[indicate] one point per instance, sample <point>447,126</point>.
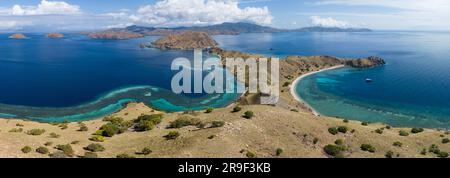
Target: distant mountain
<point>331,29</point>
<point>233,29</point>
<point>221,29</point>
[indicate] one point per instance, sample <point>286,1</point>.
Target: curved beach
<point>294,87</point>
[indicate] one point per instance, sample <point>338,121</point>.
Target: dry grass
<point>271,128</point>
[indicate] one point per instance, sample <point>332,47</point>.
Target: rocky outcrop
<point>114,35</point>
<point>186,40</point>
<point>55,35</point>
<point>368,62</point>
<point>17,36</point>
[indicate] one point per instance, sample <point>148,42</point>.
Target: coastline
<point>298,79</point>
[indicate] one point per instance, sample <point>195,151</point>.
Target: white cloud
<point>45,8</point>
<point>11,25</point>
<point>397,14</point>
<point>199,12</point>
<point>328,22</point>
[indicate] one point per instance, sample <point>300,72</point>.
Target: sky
<point>73,15</point>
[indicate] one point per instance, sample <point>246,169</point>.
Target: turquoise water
<point>76,78</point>
<point>412,90</point>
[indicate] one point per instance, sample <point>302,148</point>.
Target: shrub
<point>74,142</point>
<point>97,138</point>
<point>346,121</point>
<point>16,130</point>
<point>185,121</point>
<point>115,120</point>
<point>98,132</point>
<point>54,135</point>
<point>110,129</point>
<point>368,148</point>
<point>379,131</point>
<point>63,126</point>
<point>389,154</point>
<point>334,150</point>
<point>42,150</point>
<point>294,110</point>
<point>19,125</point>
<point>58,154</point>
<point>124,156</point>
<point>403,133</point>
<point>250,154</point>
<point>397,144</point>
<point>342,129</point>
<point>434,149</point>
<point>147,122</point>
<point>339,142</point>
<point>155,118</point>
<point>279,151</point>
<point>66,149</point>
<point>209,110</point>
<point>424,151</point>
<point>388,127</point>
<point>365,123</point>
<point>417,130</point>
<point>146,151</point>
<point>237,109</point>
<point>333,130</point>
<point>445,141</point>
<point>90,155</point>
<point>216,124</point>
<point>172,135</point>
<point>211,137</point>
<point>315,140</point>
<point>249,114</point>
<point>26,149</point>
<point>94,147</point>
<point>48,143</point>
<point>83,128</point>
<point>36,132</point>
<point>442,154</point>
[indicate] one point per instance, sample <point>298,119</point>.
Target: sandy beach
<point>294,86</point>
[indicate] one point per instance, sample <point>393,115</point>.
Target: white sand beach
<point>294,86</point>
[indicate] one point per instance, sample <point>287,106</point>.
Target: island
<point>371,61</point>
<point>18,36</point>
<point>185,40</point>
<point>114,35</point>
<point>55,35</point>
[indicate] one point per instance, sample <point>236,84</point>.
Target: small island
<point>18,36</point>
<point>114,35</point>
<point>368,62</point>
<point>55,35</point>
<point>185,40</point>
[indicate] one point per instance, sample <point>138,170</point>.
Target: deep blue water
<point>413,89</point>
<point>76,78</point>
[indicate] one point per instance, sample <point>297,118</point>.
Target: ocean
<point>76,78</point>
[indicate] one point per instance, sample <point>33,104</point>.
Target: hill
<point>220,29</point>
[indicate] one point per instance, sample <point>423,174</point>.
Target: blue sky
<point>101,14</point>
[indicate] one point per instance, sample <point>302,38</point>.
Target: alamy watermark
<point>254,72</point>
